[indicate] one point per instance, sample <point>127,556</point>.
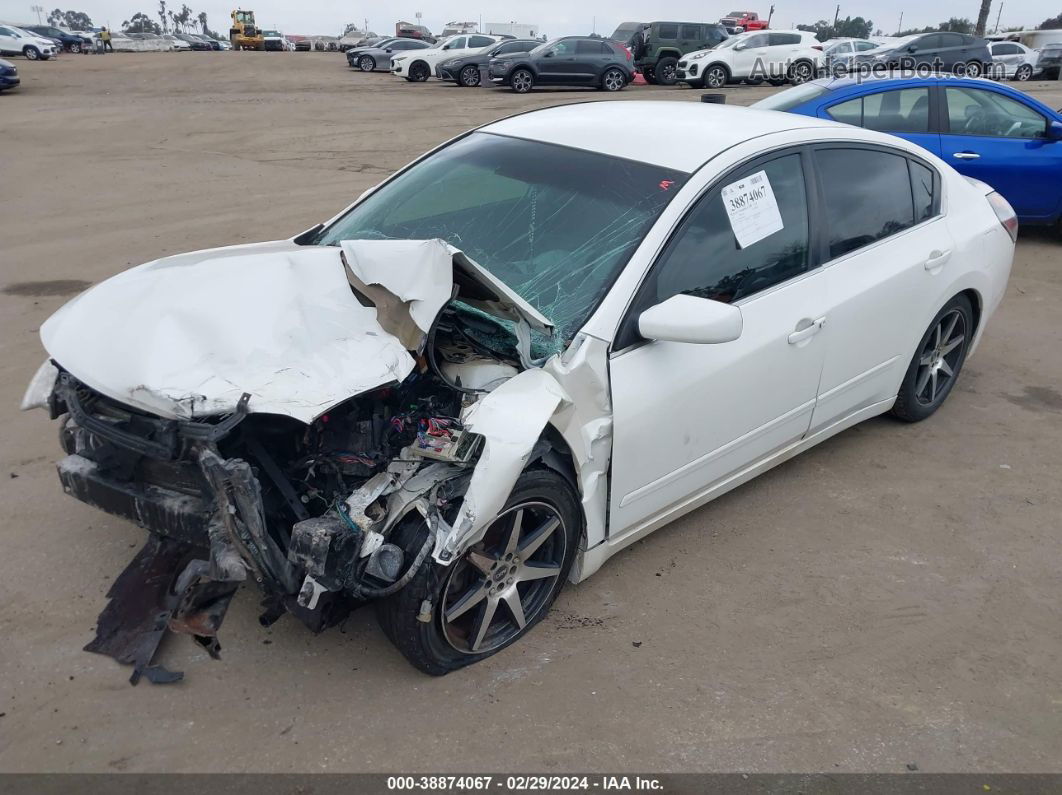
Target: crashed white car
<point>521,353</point>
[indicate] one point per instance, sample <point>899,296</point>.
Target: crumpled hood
<point>186,336</point>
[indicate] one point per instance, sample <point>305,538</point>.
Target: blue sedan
<point>986,130</point>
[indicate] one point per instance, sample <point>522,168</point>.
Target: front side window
<point>554,223</point>
<point>974,111</point>
<point>563,48</point>
<point>756,41</point>
<point>704,258</point>
<point>905,110</point>
<point>867,194</point>
<point>457,43</point>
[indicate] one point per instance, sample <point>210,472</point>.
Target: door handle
<point>806,329</point>
<point>937,259</point>
<point>966,156</point>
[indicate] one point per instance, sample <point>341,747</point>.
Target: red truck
<point>741,21</point>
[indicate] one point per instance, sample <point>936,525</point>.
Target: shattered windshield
<point>555,224</point>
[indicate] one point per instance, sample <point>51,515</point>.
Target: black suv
<point>69,41</point>
<point>571,61</point>
<point>658,46</point>
<point>953,52</point>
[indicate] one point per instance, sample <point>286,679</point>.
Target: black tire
<point>1023,73</point>
<point>366,63</point>
<point>75,48</point>
<point>774,81</point>
<point>469,76</point>
<point>418,72</point>
<point>927,383</point>
<point>31,53</point>
<point>716,76</point>
<point>666,71</point>
<point>801,72</point>
<point>521,81</point>
<point>433,646</point>
<point>974,69</point>
<point>649,75</point>
<point>613,80</point>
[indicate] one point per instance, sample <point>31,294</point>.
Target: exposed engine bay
<point>308,511</point>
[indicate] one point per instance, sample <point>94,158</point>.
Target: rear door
<point>997,139</point>
<point>887,251</point>
<point>906,112</point>
<point>9,42</point>
<point>589,60</point>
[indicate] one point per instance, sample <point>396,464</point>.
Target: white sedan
<point>418,65</point>
<point>521,353</point>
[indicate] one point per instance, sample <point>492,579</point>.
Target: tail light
<point>1005,213</point>
<point>630,55</point>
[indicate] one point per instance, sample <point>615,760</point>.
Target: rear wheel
<point>666,71</point>
<point>649,75</point>
<point>521,81</point>
<point>613,80</point>
<point>800,72</point>
<point>498,590</point>
<point>75,47</point>
<point>366,63</point>
<point>1024,72</point>
<point>937,362</point>
<point>974,69</point>
<point>469,76</point>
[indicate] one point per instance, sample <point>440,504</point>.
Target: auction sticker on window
<point>752,209</point>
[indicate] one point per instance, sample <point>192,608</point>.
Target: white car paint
<point>454,47</point>
<point>752,55</point>
<point>655,430</point>
<point>1014,56</point>
<point>15,41</point>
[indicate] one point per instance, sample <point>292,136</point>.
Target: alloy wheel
<point>366,63</point>
<point>940,357</point>
<point>669,74</point>
<point>504,583</point>
<point>801,74</point>
<point>715,77</point>
<point>31,54</point>
<point>1024,72</point>
<point>470,76</point>
<point>613,80</point>
<point>973,69</point>
<point>522,81</point>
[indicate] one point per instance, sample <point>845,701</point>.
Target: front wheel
<point>715,76</point>
<point>521,81</point>
<point>31,53</point>
<point>666,71</point>
<point>469,76</point>
<point>366,63</point>
<point>613,80</point>
<point>450,617</point>
<point>1024,73</point>
<point>937,362</point>
<point>419,72</point>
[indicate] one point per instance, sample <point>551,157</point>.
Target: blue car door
<point>900,111</point>
<point>993,137</point>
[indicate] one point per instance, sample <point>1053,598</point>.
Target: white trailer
<point>518,30</point>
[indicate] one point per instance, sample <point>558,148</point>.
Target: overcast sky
<point>554,17</point>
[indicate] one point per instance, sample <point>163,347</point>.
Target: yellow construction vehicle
<point>244,33</point>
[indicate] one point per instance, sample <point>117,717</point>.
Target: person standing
<point>105,37</point>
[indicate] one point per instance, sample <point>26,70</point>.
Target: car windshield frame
<point>573,267</point>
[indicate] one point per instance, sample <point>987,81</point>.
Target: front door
<point>755,55</point>
<point>558,63</point>
<point>1001,141</point>
<point>689,416</point>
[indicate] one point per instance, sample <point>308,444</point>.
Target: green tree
<point>1051,24</point>
<point>141,23</point>
<point>960,25</point>
<point>75,20</point>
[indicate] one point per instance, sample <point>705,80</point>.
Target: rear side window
<point>480,41</point>
<point>690,32</point>
<point>1005,49</point>
<point>781,39</point>
<point>667,31</point>
<point>584,47</point>
<point>906,110</point>
<point>511,46</point>
<point>953,40</point>
<point>867,196</point>
<point>703,257</point>
<point>862,46</point>
<point>924,191</point>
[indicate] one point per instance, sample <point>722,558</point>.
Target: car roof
<point>696,131</point>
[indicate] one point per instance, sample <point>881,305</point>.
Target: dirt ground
<point>891,597</point>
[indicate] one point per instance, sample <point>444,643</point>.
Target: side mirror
<point>686,318</point>
<point>912,48</point>
<point>1054,131</point>
<point>742,46</point>
<point>548,54</point>
<point>388,50</point>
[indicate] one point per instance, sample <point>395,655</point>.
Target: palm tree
<point>162,15</point>
<point>203,22</point>
<point>982,17</point>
